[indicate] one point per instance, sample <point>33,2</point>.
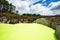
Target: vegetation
<point>57,32</point>
<point>42,21</point>
<point>9,14</point>
<point>9,11</point>
<point>6,7</point>
<point>24,14</point>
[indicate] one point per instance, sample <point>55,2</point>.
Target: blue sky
<point>42,7</point>
<point>46,2</point>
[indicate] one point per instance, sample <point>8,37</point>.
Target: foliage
<point>53,25</point>
<point>26,14</point>
<point>42,21</point>
<point>57,32</point>
<point>10,15</point>
<point>5,6</point>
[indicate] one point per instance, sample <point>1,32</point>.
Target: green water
<point>26,32</point>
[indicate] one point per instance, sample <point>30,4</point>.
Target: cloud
<point>40,9</point>
<point>44,0</point>
<point>52,9</point>
<point>55,7</point>
<point>56,12</point>
<point>54,4</point>
<point>23,7</point>
<point>37,8</point>
<point>18,1</point>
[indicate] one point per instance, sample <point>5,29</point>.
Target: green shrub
<point>57,32</point>
<point>42,21</point>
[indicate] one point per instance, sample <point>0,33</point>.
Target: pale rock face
<point>25,31</point>
<point>3,19</point>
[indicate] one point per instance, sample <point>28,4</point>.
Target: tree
<point>24,14</point>
<point>38,15</point>
<point>17,11</point>
<point>34,14</point>
<point>10,7</point>
<point>6,7</point>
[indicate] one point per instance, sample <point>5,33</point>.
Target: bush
<point>42,21</point>
<point>57,32</point>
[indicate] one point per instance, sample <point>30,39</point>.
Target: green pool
<point>25,31</point>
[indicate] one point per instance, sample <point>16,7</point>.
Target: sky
<point>42,7</point>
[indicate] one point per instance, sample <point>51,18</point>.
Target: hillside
<point>13,18</point>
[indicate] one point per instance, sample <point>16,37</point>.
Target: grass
<point>25,31</point>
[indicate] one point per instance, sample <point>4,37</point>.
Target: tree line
<point>27,14</point>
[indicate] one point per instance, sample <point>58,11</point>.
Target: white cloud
<point>56,12</point>
<point>55,5</point>
<point>18,1</point>
<point>44,0</point>
<point>23,7</point>
<point>38,7</point>
<point>47,13</point>
<point>42,10</point>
